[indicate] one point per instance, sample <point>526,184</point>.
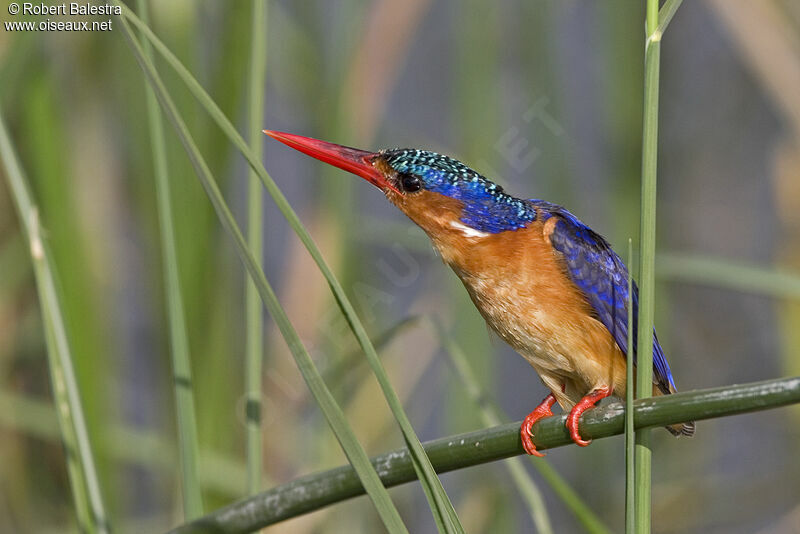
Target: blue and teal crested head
<point>486,206</point>
<point>437,192</point>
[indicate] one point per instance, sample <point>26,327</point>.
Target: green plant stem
<point>255,325</point>
<point>434,492</point>
<point>179,342</point>
<point>630,443</point>
<point>81,468</point>
<point>333,413</point>
<point>644,352</point>
<point>317,490</point>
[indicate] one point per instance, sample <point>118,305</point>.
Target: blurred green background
<point>544,97</point>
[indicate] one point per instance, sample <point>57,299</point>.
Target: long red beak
<point>359,162</point>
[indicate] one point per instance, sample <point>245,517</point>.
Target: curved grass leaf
<point>666,13</point>
<point>333,413</point>
<point>440,503</point>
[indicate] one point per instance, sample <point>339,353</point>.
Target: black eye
<point>410,182</point>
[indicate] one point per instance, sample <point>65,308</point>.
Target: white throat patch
<point>466,230</point>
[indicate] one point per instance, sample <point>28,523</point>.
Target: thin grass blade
<point>666,13</point>
<point>87,496</point>
<point>179,341</point>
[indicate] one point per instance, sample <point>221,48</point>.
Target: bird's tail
<point>679,429</point>
<point>682,429</point>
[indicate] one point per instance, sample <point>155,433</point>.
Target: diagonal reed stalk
<point>630,442</point>
<point>491,416</point>
<point>647,232</point>
<point>86,494</point>
<point>179,341</point>
<point>253,319</point>
<point>440,504</point>
<point>333,413</point>
<point>314,491</point>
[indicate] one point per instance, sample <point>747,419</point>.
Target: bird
<point>545,283</point>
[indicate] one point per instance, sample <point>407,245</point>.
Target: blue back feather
<point>602,276</point>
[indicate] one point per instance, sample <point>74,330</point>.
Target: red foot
<point>584,404</point>
<point>541,411</point>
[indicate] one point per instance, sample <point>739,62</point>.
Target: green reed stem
<point>656,23</point>
<point>315,491</point>
<point>179,341</point>
<point>81,469</point>
<point>644,351</point>
<point>255,323</point>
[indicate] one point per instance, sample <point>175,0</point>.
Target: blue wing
<point>602,276</point>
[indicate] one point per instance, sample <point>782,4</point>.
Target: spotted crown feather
<point>487,207</point>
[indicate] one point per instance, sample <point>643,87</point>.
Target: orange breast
<point>522,289</point>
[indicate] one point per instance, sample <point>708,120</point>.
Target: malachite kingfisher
<point>546,283</point>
